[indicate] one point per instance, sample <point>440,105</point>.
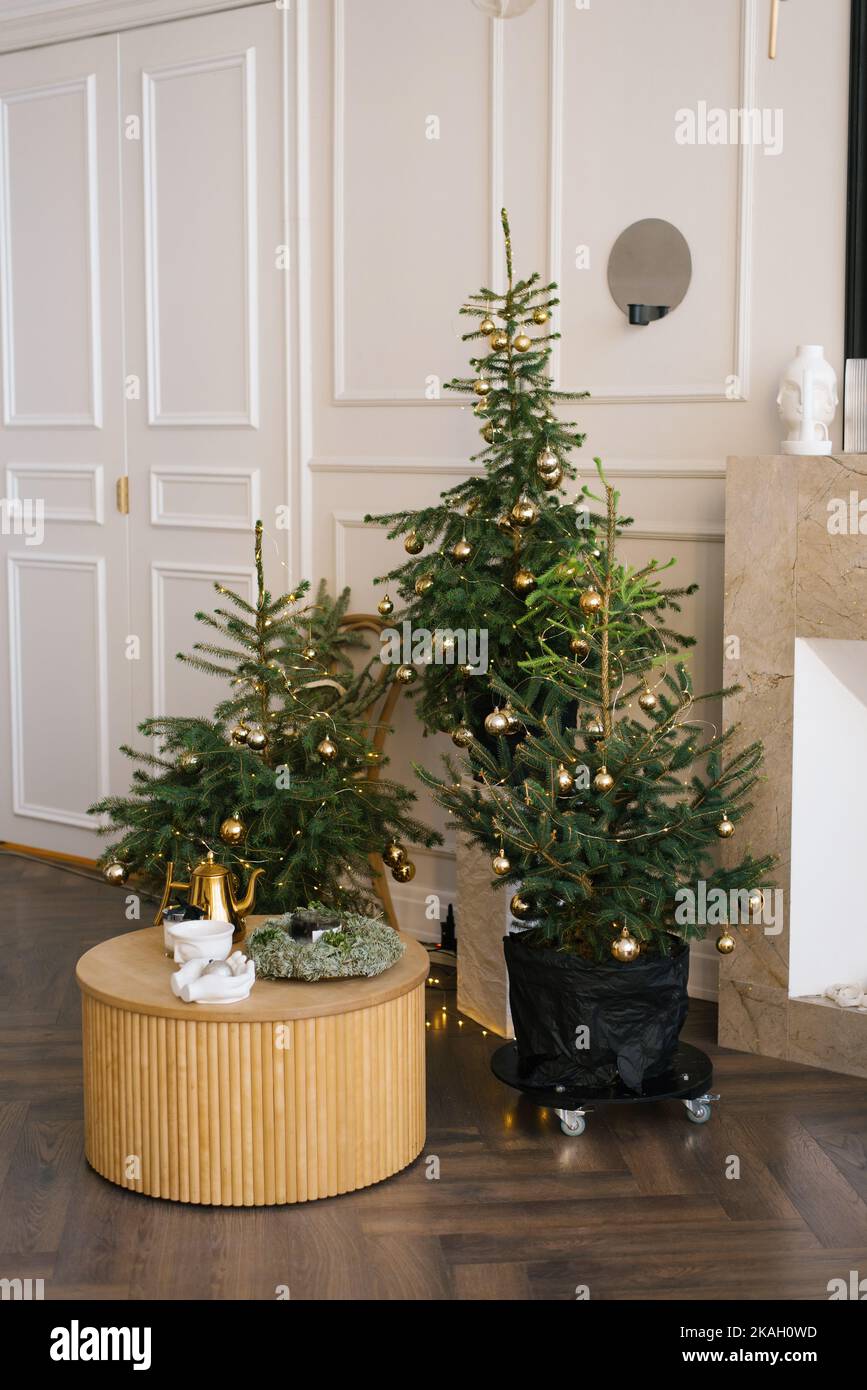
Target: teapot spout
<point>242,905</point>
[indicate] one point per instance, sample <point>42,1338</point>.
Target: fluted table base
<point>245,1111</point>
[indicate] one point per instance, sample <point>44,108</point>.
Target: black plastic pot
<point>632,1014</point>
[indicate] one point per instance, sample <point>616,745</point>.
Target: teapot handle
<point>167,892</point>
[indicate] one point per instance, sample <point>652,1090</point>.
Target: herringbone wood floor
<point>638,1207</point>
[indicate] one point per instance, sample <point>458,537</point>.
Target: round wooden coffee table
<point>300,1091</point>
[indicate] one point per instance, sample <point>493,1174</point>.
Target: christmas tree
<point>477,554</point>
<point>285,776</point>
<point>604,793</point>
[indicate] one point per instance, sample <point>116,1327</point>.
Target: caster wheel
<point>698,1111</point>
<point>573,1130</point>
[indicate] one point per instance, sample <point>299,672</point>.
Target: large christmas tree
<point>280,777</point>
<point>478,552</point>
<point>605,792</point>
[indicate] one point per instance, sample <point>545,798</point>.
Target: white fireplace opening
<point>828,903</point>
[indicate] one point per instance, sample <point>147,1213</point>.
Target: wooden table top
<point>133,972</point>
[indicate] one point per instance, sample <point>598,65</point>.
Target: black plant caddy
<point>590,1034</point>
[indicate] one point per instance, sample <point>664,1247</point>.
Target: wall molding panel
<point>703,469</point>
<point>343,392</point>
<point>342,523</point>
<point>16,562</point>
<point>742,301</point>
<point>161,571</point>
<point>246,482</point>
<point>248,417</point>
<point>91,416</point>
<point>741,307</point>
<point>30,25</point>
<point>346,521</point>
<point>22,480</point>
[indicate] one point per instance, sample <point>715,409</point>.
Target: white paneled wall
<point>568,116</point>
<point>64,684</point>
<point>280,258</point>
<point>205,315</point>
<point>145,267</point>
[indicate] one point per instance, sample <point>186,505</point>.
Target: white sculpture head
<point>807,402</point>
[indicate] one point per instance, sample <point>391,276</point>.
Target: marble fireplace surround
<point>787,577</point>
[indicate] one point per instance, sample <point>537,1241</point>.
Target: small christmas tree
<point>478,553</point>
<point>604,793</point>
<point>280,778</point>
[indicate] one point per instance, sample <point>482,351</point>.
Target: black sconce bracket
<point>643,314</point>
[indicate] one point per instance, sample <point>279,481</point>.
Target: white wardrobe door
<point>203,228</point>
<point>64,682</point>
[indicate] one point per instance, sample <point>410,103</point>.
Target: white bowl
<point>203,940</point>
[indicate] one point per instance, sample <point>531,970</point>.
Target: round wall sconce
<point>649,270</point>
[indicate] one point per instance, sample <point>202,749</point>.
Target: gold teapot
<point>213,888</point>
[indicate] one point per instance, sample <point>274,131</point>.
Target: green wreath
<point>358,946</point>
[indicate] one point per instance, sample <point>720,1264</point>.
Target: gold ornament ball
<point>603,781</point>
<point>385,607</point>
<point>327,750</point>
<point>462,736</point>
<point>115,874</point>
<point>481,387</point>
<point>461,552</point>
<point>580,647</point>
<point>625,948</point>
<point>500,865</point>
<point>565,781</point>
<point>309,653</point>
<point>405,675</point>
<point>499,340</point>
<point>552,480</point>
<point>647,700</point>
<point>590,601</point>
<point>413,545</point>
<point>404,872</point>
<point>524,512</point>
<point>756,901</point>
<point>487,326</point>
<point>394,855</point>
<point>725,829</point>
<point>189,761</point>
<point>547,462</point>
<point>239,734</point>
<point>423,584</point>
<point>594,728</point>
<point>725,943</point>
<point>489,434</point>
<point>513,723</point>
<point>520,907</point>
<point>523,582</point>
<point>232,831</point>
<point>257,740</point>
<point>540,316</point>
<point>480,407</point>
<point>522,343</point>
<point>497,723</point>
